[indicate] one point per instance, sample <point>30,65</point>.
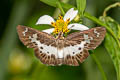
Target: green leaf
<point>114,51</point>
<point>111,44</point>
<point>60,7</point>
<point>53,3</point>
<point>50,2</point>
<point>67,6</point>
<point>119,31</point>
<point>81,5</point>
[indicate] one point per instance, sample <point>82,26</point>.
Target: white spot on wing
<point>91,38</point>
<point>98,34</point>
<point>87,38</point>
<point>50,49</point>
<point>34,39</point>
<point>26,30</point>
<point>70,49</point>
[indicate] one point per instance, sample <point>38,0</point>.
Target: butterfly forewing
<point>44,44</point>
<point>77,44</point>
<point>93,37</point>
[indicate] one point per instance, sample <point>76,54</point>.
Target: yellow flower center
<point>60,25</point>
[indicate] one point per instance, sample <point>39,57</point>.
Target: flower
<point>62,24</point>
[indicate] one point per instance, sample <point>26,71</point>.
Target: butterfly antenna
<point>60,35</point>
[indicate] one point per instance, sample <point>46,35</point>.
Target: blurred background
<point>19,63</point>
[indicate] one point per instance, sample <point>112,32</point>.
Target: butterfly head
<point>60,25</point>
<point>60,36</point>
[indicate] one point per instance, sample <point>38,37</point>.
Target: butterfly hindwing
<point>44,44</point>
<point>75,53</point>
<point>77,44</point>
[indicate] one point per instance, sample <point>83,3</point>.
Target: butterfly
<point>69,50</point>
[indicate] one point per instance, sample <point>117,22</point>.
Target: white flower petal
<point>76,26</point>
<point>46,19</point>
<point>49,31</point>
<point>71,13</point>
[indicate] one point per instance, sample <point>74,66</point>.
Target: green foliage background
<point>19,63</point>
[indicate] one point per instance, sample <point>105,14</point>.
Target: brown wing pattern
<point>42,36</point>
<point>76,45</point>
<point>74,60</point>
<point>79,43</point>
<point>95,35</point>
<point>40,41</point>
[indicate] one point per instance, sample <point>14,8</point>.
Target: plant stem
<point>81,5</point>
<point>109,7</point>
<point>99,66</point>
<point>60,7</point>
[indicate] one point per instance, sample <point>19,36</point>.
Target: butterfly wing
<point>44,44</point>
<point>77,44</point>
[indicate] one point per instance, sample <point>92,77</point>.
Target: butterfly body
<point>68,50</point>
